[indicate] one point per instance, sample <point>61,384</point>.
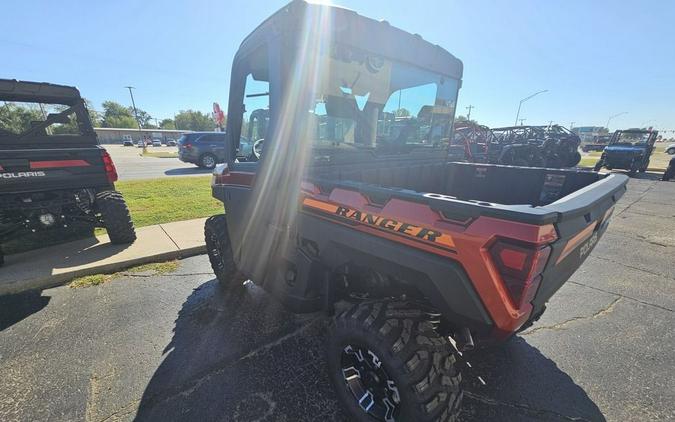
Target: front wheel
<point>633,169</point>
<point>219,250</point>
<point>116,218</point>
<point>386,363</point>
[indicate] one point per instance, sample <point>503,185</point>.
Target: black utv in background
<point>550,146</point>
<point>52,169</point>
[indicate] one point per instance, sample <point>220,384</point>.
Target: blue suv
<point>206,149</point>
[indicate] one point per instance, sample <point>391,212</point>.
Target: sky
<point>596,58</point>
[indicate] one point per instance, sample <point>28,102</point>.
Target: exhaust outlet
<point>465,340</point>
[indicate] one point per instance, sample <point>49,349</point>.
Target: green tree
<point>194,120</point>
<point>167,124</point>
<point>402,112</point>
<point>116,115</point>
<point>143,116</point>
<point>461,118</point>
<point>17,118</point>
<point>93,114</point>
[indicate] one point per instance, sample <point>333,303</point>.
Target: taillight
<point>110,170</point>
<point>219,175</point>
<point>520,266</point>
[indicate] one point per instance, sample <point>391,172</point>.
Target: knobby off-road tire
<point>220,251</point>
<point>411,355</point>
<point>116,217</point>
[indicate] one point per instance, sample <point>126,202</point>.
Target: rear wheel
<point>387,363</point>
<point>220,251</point>
<point>208,161</point>
<point>116,218</point>
<point>597,166</point>
<point>574,159</point>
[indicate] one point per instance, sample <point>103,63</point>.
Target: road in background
<point>131,165</point>
<point>178,347</point>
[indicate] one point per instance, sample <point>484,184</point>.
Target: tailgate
<point>29,170</point>
<point>583,218</point>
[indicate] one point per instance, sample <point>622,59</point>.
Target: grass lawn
<point>157,201</point>
<point>658,161</point>
<point>156,268</point>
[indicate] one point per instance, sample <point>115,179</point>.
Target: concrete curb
<point>56,265</point>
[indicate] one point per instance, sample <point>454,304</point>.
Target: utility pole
<point>525,99</point>
<point>572,125</point>
<point>133,103</point>
<point>521,121</point>
<point>550,122</point>
<point>468,115</point>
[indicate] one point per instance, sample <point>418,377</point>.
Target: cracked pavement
<point>176,347</point>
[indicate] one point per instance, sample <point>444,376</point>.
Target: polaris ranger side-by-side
<point>52,169</point>
<point>628,149</point>
<point>353,208</point>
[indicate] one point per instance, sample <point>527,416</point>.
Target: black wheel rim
<point>367,380</point>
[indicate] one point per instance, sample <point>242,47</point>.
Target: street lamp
<point>525,99</point>
<point>613,116</point>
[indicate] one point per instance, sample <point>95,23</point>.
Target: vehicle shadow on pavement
<point>521,383</point>
<point>239,355</point>
<point>14,308</point>
<point>184,171</point>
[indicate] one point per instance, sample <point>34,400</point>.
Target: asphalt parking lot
<point>176,347</point>
<point>131,165</point>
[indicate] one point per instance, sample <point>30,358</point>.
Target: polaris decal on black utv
<point>352,207</point>
<point>23,174</point>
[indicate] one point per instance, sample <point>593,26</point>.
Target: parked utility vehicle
<point>353,205</point>
<point>628,150</point>
<point>52,169</point>
<point>550,146</point>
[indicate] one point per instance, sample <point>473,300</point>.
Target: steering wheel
<point>258,148</point>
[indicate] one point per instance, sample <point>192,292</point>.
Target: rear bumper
<point>584,218</point>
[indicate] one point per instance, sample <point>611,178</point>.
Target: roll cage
<point>274,53</point>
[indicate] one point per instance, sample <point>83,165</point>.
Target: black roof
<point>358,31</point>
<point>13,90</point>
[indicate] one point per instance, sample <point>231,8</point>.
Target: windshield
<point>632,138</point>
<point>19,120</point>
<point>367,101</point>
